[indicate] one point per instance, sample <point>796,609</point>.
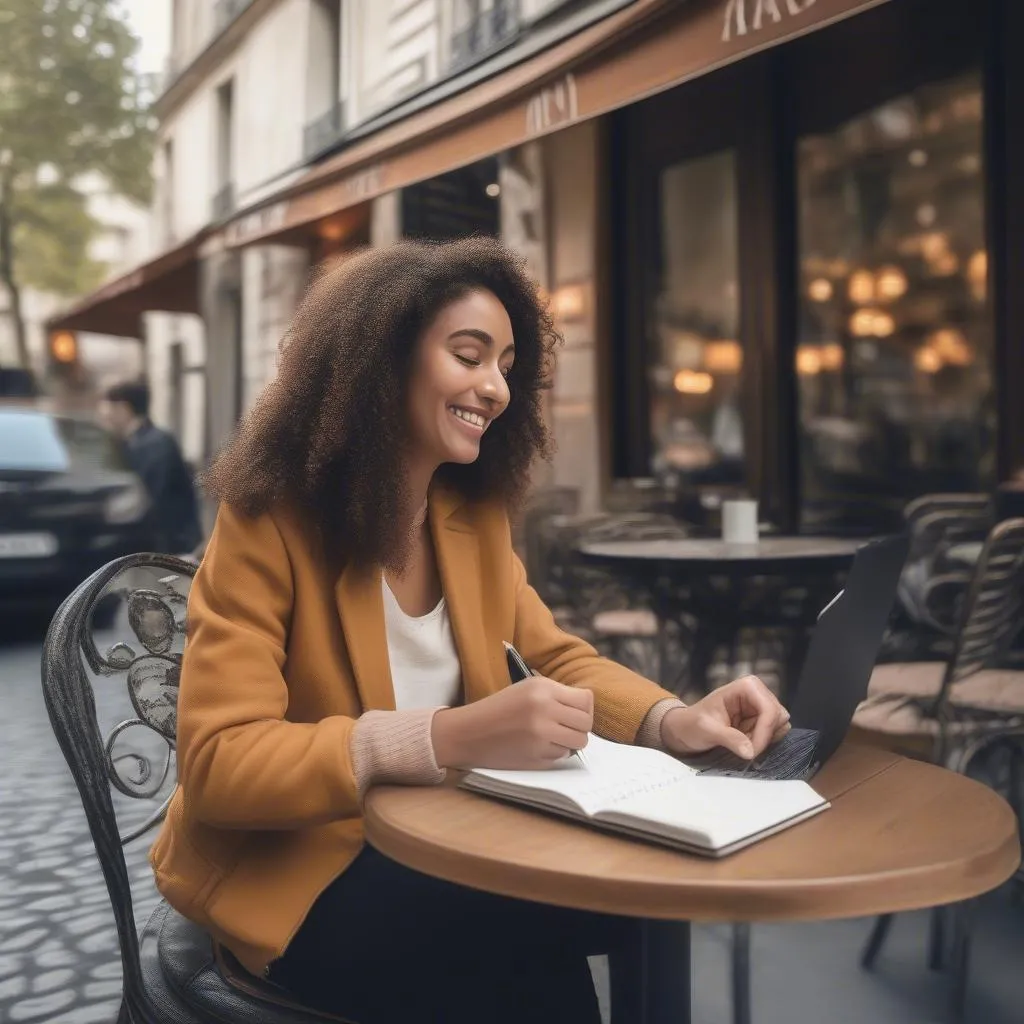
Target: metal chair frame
<point>70,704</point>
<point>151,667</point>
<point>989,620</point>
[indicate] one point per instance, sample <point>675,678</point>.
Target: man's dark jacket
<point>155,456</point>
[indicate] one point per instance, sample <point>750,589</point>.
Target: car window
<point>32,441</point>
<point>89,445</point>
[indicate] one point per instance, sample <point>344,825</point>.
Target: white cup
<point>739,521</point>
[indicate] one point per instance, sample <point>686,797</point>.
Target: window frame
<point>761,107</point>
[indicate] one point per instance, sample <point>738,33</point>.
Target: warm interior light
<point>64,347</point>
<point>927,360</point>
<point>872,323</point>
<point>884,325</point>
<point>832,356</point>
<point>951,346</point>
<point>568,302</point>
<point>861,287</point>
<point>493,190</point>
<point>977,273</point>
<point>977,266</point>
<point>332,231</point>
<point>917,158</point>
<point>934,245</point>
<point>693,382</point>
<point>723,356</point>
<point>891,283</point>
<point>808,361</point>
<point>862,323</point>
<point>820,289</point>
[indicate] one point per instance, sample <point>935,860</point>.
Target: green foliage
<point>52,231</point>
<point>70,104</point>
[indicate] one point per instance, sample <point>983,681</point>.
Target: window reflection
<point>893,360</point>
<point>696,422</point>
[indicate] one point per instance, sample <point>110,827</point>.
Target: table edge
<point>774,900</point>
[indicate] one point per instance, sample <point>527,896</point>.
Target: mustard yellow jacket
<point>282,657</point>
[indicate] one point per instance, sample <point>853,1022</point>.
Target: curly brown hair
<point>323,437</point>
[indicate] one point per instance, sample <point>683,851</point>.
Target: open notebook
<point>651,795</point>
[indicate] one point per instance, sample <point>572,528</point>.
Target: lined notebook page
<point>722,810</point>
<point>613,773</point>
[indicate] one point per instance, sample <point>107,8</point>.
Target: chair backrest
<point>934,523</point>
<point>991,615</point>
<point>149,666</point>
<point>967,504</point>
<point>532,528</point>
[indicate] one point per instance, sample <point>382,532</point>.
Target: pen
<point>524,670</point>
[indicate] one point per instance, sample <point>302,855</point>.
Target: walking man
<point>155,456</point>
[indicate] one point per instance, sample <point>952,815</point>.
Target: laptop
<point>835,674</point>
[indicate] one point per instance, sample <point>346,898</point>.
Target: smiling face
<point>458,386</point>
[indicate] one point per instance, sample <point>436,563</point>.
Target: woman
<point>346,628</point>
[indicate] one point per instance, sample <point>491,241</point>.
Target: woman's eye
<point>467,360</point>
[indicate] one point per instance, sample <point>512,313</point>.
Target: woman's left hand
<point>744,716</point>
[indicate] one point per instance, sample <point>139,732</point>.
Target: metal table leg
<point>650,979</point>
<point>741,1012</point>
<point>666,949</point>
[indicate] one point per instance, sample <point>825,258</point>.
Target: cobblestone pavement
<point>58,948</point>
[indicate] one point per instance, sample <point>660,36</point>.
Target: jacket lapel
<point>361,608</point>
<point>458,559</point>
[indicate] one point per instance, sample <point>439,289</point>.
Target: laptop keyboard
<point>791,758</point>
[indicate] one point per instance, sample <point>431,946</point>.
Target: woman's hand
<point>531,724</point>
<point>744,716</point>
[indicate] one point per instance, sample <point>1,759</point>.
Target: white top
<point>425,670</point>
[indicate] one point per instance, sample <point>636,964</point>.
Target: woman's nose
<point>495,388</point>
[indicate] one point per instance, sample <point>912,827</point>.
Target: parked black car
<point>68,504</point>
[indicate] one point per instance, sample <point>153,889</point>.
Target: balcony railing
<point>223,203</point>
<point>225,12</point>
<point>486,32</point>
<point>323,132</point>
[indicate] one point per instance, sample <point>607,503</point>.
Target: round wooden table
<point>899,835</point>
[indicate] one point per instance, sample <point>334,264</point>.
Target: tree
<point>70,104</point>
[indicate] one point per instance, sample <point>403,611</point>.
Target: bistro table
<point>899,835</point>
<point>705,577</point>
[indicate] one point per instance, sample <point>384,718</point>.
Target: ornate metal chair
<point>173,973</point>
<point>951,711</point>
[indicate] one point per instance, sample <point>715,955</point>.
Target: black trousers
<point>384,944</point>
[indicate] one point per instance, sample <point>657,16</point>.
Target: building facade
<point>777,235</point>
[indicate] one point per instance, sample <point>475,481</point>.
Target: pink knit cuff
<point>649,734</point>
<point>394,746</point>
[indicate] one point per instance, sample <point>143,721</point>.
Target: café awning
<point>641,49</point>
<point>523,93</point>
<point>168,282</point>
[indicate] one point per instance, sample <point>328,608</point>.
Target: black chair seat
<point>194,982</point>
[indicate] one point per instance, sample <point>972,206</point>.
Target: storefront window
<point>894,353</point>
<point>695,416</point>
